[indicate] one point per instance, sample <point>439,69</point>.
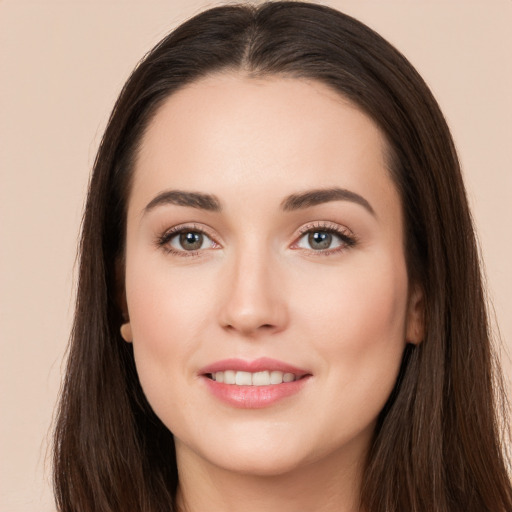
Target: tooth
<point>229,377</point>
<point>261,378</point>
<point>243,379</point>
<point>264,378</point>
<point>276,377</point>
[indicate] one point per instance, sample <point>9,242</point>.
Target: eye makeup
<point>330,238</point>
<point>196,237</point>
<point>318,238</point>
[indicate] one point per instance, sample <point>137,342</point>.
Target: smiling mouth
<point>253,384</point>
<point>263,378</point>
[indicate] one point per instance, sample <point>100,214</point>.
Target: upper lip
<point>256,365</point>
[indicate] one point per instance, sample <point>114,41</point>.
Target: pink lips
<point>258,365</point>
<point>253,397</point>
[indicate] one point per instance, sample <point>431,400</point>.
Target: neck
<point>322,486</point>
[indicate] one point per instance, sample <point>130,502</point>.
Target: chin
<point>260,464</point>
<point>248,454</point>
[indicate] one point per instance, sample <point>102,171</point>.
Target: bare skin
<point>263,223</point>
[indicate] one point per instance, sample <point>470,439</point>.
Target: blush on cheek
<point>370,336</point>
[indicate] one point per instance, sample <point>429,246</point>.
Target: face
<point>266,286</point>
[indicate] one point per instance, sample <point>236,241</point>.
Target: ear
<point>415,328</point>
<point>126,328</point>
<point>126,332</point>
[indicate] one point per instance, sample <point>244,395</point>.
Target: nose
<point>255,300</point>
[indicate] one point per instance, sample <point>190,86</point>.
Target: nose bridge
<point>253,298</point>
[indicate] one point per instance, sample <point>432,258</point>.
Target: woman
<point>280,303</point>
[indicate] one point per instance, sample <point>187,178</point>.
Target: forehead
<point>275,135</point>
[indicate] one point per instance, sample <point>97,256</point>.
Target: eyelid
<point>323,225</point>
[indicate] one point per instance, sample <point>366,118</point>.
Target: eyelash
<point>163,240</point>
<point>346,236</point>
<point>348,239</point>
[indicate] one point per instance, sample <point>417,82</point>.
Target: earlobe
<point>126,332</point>
<point>415,330</point>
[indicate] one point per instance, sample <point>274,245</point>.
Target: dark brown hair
<point>437,443</point>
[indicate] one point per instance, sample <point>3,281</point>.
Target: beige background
<point>62,64</point>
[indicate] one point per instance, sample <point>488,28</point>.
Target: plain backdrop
<point>62,64</point>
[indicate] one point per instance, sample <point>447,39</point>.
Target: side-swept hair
<point>437,443</point>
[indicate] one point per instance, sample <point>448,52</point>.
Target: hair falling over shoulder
<point>440,441</point>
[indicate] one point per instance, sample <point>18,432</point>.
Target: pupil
<point>191,241</point>
<point>320,240</point>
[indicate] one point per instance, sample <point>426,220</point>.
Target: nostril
<point>250,314</point>
<point>248,329</point>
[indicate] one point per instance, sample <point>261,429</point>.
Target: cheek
<point>167,313</point>
<point>165,304</point>
<point>359,323</point>
<point>360,303</point>
<point>371,311</point>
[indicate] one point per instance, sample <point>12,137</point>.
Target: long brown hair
<point>437,443</point>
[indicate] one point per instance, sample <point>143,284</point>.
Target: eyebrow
<point>180,198</point>
<point>324,195</point>
<point>293,202</point>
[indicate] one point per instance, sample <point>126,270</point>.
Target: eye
<point>325,239</point>
<point>319,241</point>
<point>186,241</point>
<point>190,241</point>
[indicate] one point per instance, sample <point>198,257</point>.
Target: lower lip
<point>254,397</point>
